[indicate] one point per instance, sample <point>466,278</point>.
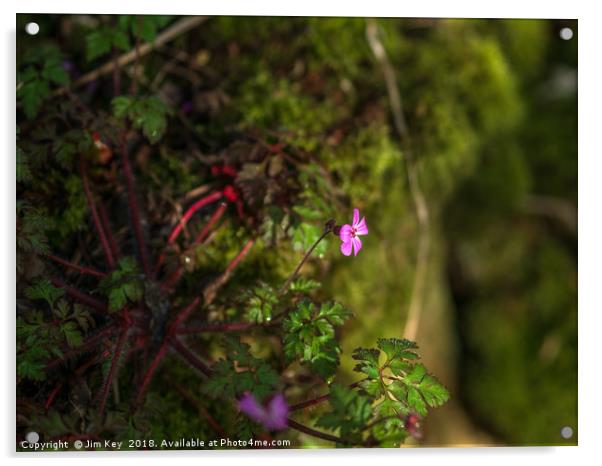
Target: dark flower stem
<point>314,433</point>
<point>173,279</point>
<point>188,396</point>
<point>135,210</point>
<point>78,268</point>
<point>221,327</point>
<point>190,357</point>
<point>112,371</point>
<point>327,229</point>
<point>107,228</point>
<point>97,223</point>
<point>317,400</point>
<point>80,296</point>
<point>151,371</point>
<point>207,297</point>
<point>89,343</point>
<point>213,288</point>
<point>190,212</point>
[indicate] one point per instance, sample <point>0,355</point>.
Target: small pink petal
<point>249,405</point>
<point>345,233</point>
<point>362,228</point>
<point>356,216</point>
<point>346,247</point>
<point>277,418</point>
<point>357,245</point>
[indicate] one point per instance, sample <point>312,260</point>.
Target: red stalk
<point>190,357</point>
<point>175,276</point>
<point>135,211</point>
<point>104,218</point>
<point>113,370</point>
<point>184,314</point>
<point>80,296</point>
<point>55,391</point>
<point>79,268</point>
<point>151,370</point>
<point>97,223</point>
<point>314,433</point>
<point>86,345</point>
<point>217,328</point>
<point>202,410</point>
<point>211,291</point>
<point>317,400</point>
<point>190,212</point>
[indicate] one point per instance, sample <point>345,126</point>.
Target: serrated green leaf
<point>415,401</point>
<point>434,393</point>
<point>398,348</point>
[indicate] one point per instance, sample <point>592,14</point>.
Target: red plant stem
<point>55,391</point>
<point>104,218</point>
<point>317,400</point>
<point>190,357</point>
<point>135,211</point>
<point>314,433</point>
<point>80,296</point>
<point>79,268</point>
<point>151,370</point>
<point>202,410</point>
<point>212,289</point>
<point>112,371</point>
<point>218,328</point>
<point>173,279</point>
<point>184,314</point>
<point>97,223</point>
<point>181,317</point>
<point>80,370</point>
<point>190,212</point>
<point>86,345</point>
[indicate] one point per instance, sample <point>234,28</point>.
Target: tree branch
<point>179,27</point>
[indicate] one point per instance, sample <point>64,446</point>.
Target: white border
<point>590,231</point>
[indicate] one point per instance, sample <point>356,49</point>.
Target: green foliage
<point>401,385</point>
<point>304,285</point>
<point>101,41</point>
<point>240,372</point>
<point>41,67</point>
<point>39,338</point>
<point>310,335</point>
<point>350,413</point>
<point>31,236</point>
<point>123,285</point>
<point>45,290</point>
<point>149,114</point>
<point>260,304</point>
<point>145,27</point>
<point>68,147</point>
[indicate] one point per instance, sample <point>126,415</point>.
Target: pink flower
<point>349,234</point>
<point>273,416</point>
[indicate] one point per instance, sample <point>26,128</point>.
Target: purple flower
<point>273,416</point>
<point>349,234</point>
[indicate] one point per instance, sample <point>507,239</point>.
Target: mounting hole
<point>566,33</point>
<point>566,432</point>
<point>32,28</point>
<point>32,437</point>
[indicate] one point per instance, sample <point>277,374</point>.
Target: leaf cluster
<point>309,335</point>
<point>148,114</point>
<point>44,330</point>
<point>240,371</point>
<point>123,285</point>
